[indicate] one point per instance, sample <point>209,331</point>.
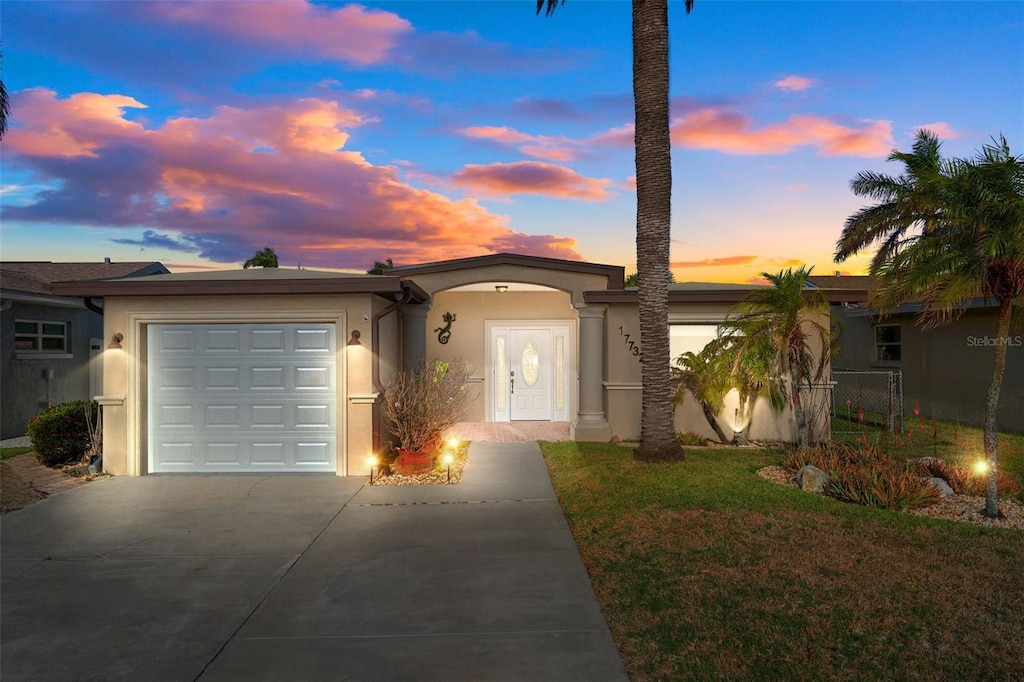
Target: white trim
<point>138,321</point>
<point>363,398</point>
<point>109,399</point>
<point>697,318</point>
<point>571,360</point>
<point>33,355</point>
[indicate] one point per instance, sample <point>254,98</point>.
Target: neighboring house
<point>50,343</point>
<point>280,370</point>
<point>946,371</point>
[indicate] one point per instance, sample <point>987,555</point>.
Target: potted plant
<point>420,406</point>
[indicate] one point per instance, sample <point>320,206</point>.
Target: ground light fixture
<point>372,462</point>
<point>735,432</point>
<point>448,459</point>
<point>453,443</point>
<point>981,467</point>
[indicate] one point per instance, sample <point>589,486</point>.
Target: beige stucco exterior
<point>125,386</point>
<point>399,318</point>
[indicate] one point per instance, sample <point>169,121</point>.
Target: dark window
<point>888,343</point>
<point>32,336</point>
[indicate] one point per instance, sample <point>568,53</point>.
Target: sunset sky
<point>195,133</point>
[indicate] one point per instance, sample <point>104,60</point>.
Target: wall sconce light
<point>115,341</point>
<point>354,339</point>
<point>501,288</point>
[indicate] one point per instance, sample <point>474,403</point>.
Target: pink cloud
<point>559,149</point>
<point>798,187</point>
<point>531,177</point>
<point>715,262</point>
<point>731,132</point>
<point>242,178</point>
<point>351,33</point>
<point>795,83</point>
<point>941,129</point>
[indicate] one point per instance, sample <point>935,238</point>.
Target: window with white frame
<point>888,343</point>
<point>38,336</point>
<point>692,338</point>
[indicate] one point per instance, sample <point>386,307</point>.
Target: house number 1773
<point>633,346</point>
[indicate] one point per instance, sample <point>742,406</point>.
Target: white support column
<point>414,335</point>
<point>591,423</point>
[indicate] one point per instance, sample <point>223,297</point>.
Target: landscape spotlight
<point>448,459</point>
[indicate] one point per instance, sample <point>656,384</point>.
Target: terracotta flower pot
<point>414,462</point>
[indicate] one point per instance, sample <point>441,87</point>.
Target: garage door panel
<point>243,413</point>
<point>169,416</point>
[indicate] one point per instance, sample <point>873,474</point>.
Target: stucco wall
<point>468,339</point>
<point>125,428</point>
<point>623,388</point>
<point>946,371</point>
<point>24,386</point>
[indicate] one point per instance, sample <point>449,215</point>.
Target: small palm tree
<point>782,325</point>
<point>967,218</point>
<point>706,376</point>
<point>262,259</point>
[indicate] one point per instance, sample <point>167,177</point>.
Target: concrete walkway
<point>303,578</point>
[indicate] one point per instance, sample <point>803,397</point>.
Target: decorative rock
<point>943,487</point>
<point>811,478</point>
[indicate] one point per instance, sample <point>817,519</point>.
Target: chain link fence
<point>870,400</point>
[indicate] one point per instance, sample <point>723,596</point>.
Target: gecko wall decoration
<point>444,333</point>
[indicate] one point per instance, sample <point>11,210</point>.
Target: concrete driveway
<point>302,578</point>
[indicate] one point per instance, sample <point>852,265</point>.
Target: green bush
<point>60,434</point>
<point>690,438</point>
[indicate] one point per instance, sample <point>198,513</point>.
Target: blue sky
<point>194,133</point>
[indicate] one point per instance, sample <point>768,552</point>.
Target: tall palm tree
<point>5,106</point>
<point>967,242</point>
<point>266,258</point>
<point>653,221</point>
<point>787,318</point>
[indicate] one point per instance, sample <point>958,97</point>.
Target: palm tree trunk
<point>799,416</point>
<point>991,435</point>
<point>713,422</point>
<point>653,225</point>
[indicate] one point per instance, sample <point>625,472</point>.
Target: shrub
<point>964,481</point>
<point>420,406</point>
<point>883,487</point>
<point>60,434</point>
<point>865,475</point>
<point>689,438</point>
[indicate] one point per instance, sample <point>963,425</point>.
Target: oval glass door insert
<point>531,363</point>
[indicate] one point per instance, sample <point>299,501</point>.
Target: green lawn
<point>7,453</point>
<point>705,571</point>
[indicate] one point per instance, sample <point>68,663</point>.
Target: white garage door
<point>242,397</point>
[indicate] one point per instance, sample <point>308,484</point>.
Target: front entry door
<point>530,378</point>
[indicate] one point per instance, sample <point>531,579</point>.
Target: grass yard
<point>705,571</point>
<point>7,453</point>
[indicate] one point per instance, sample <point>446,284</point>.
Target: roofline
<point>717,295</point>
<point>41,299</point>
<point>383,286</point>
<point>616,274</point>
